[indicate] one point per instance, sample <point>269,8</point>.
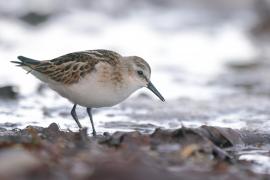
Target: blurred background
<point>209,60</point>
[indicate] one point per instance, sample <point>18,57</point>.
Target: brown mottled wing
<point>70,68</point>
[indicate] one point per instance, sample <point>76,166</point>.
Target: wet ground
<point>184,153</point>
<point>153,139</point>
<point>212,67</point>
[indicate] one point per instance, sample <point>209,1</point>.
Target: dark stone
<point>8,92</point>
<point>34,18</point>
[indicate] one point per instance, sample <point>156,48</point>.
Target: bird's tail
<point>26,63</point>
<point>30,65</point>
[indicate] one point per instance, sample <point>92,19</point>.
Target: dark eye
<point>140,73</point>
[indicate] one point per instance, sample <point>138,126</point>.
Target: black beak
<point>155,91</point>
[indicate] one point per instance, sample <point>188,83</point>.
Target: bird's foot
<point>94,133</point>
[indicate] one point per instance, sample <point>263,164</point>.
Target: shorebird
<point>92,78</point>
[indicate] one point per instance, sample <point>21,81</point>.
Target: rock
<point>16,162</point>
<point>184,153</point>
<point>8,92</point>
<point>34,18</point>
<point>81,170</point>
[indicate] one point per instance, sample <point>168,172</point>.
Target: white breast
<point>90,92</point>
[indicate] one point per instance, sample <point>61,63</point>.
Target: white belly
<point>89,92</point>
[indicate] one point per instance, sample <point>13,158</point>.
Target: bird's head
<point>140,73</point>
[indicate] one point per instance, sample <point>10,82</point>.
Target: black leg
<point>74,115</point>
<point>89,111</point>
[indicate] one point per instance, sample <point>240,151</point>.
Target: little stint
<point>93,78</point>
